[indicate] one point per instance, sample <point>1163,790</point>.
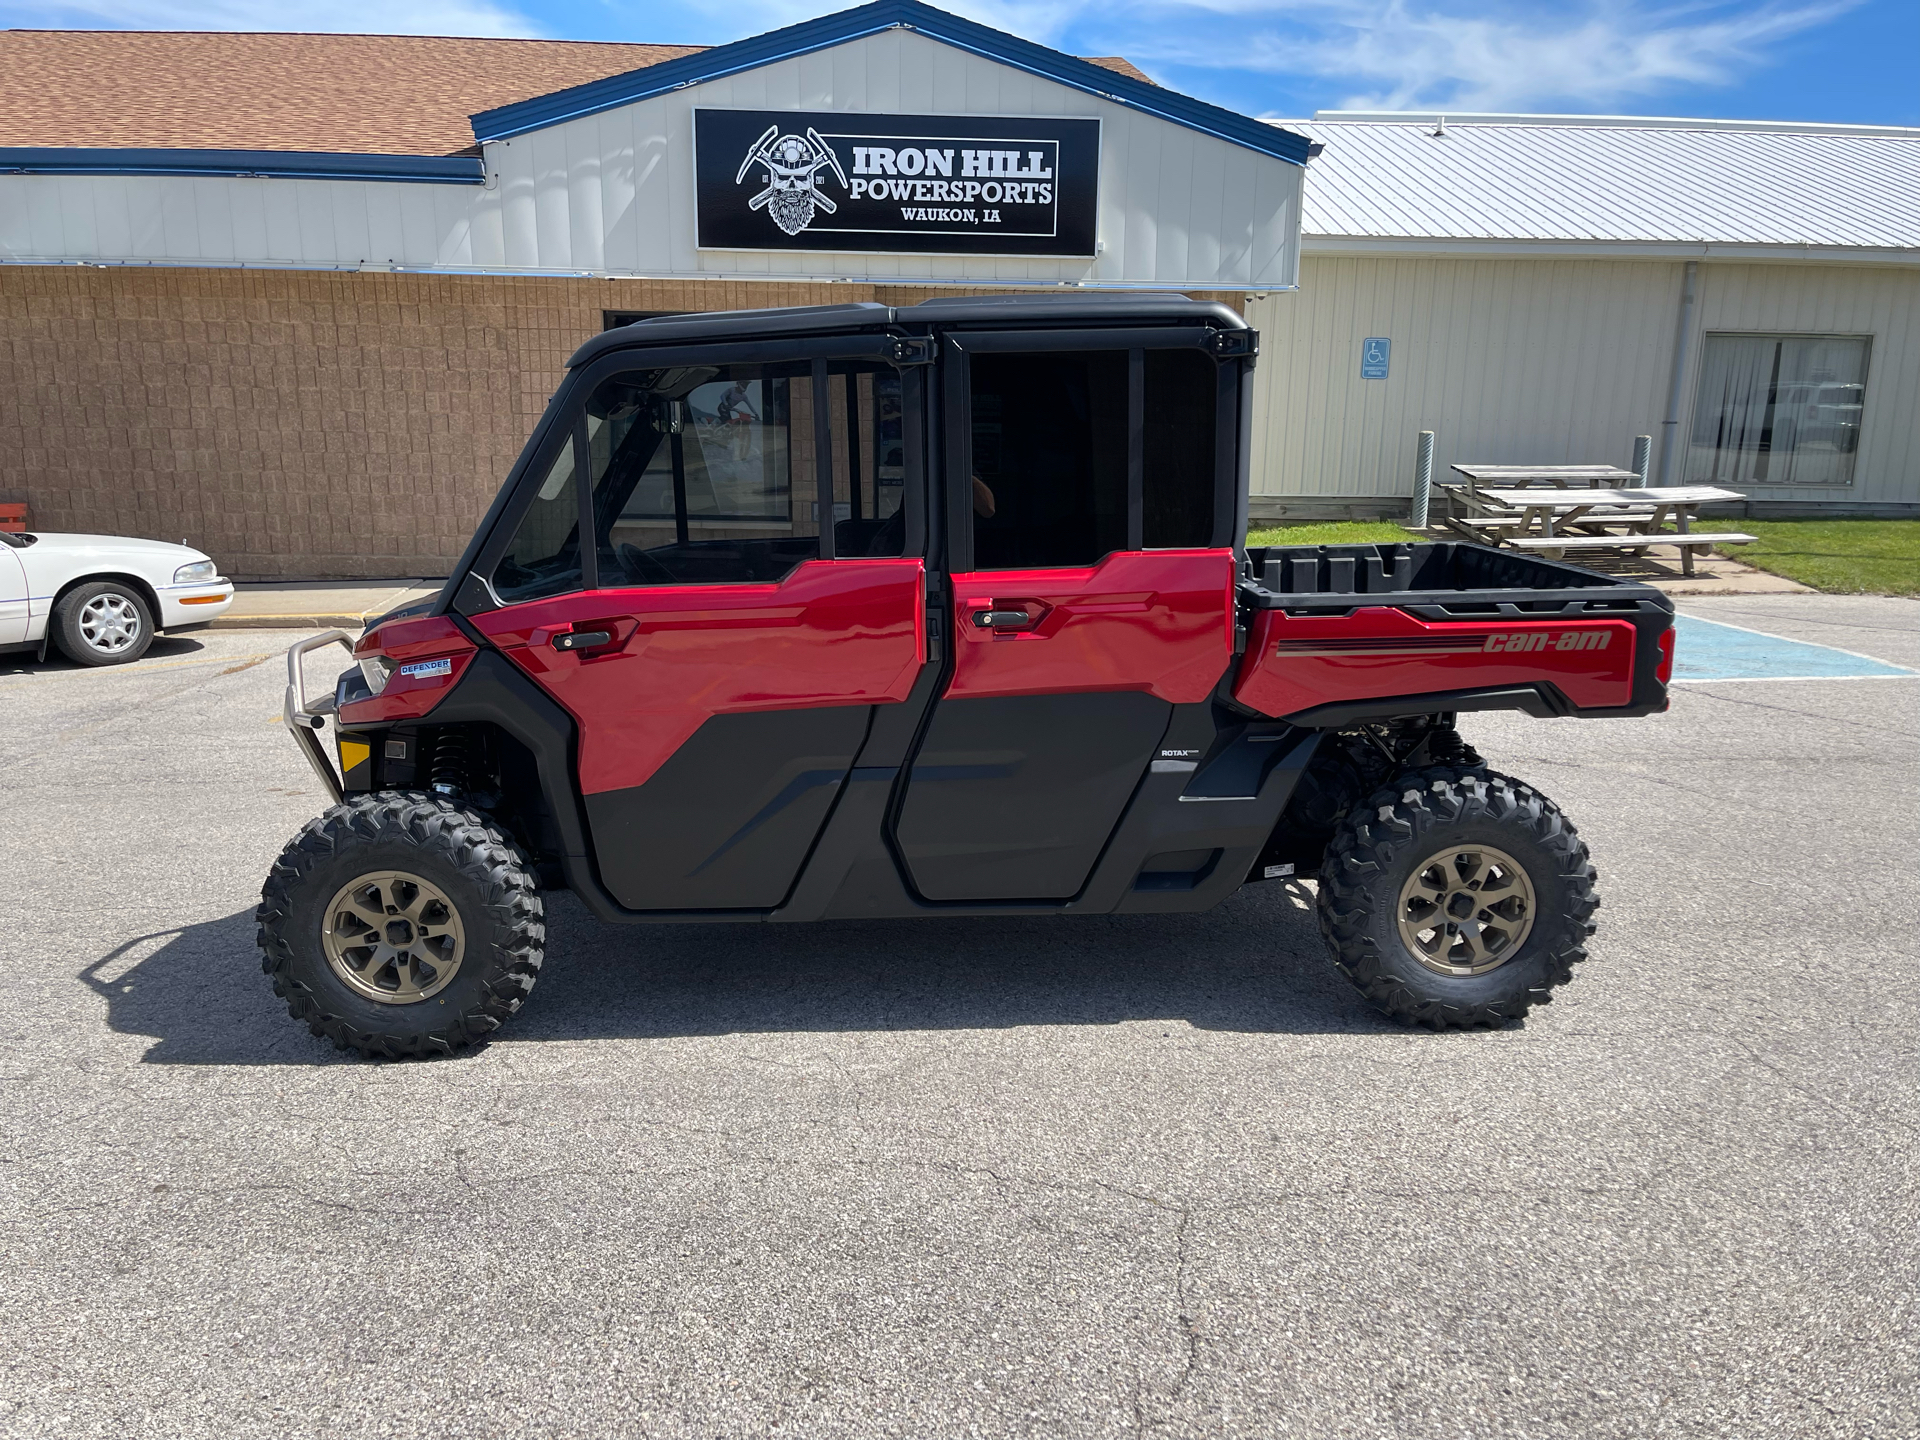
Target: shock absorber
<point>453,763</point>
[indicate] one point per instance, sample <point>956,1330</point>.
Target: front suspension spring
<point>453,763</point>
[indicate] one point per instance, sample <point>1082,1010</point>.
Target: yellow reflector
<point>354,752</point>
<point>200,599</point>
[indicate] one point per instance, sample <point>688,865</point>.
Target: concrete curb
<point>287,622</point>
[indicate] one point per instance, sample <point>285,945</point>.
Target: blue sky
<point>1840,60</point>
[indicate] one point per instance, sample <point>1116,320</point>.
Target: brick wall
<point>298,424</point>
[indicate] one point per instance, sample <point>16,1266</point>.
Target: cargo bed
<point>1341,634</point>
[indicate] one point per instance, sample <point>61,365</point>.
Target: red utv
<point>858,612</point>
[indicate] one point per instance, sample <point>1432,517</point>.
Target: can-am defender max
<point>859,612</point>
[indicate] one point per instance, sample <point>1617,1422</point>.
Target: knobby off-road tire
<point>102,623</point>
<point>424,856</point>
<point>1448,817</point>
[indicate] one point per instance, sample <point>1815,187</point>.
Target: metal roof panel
<point>1612,179</point>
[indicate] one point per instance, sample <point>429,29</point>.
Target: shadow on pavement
<point>1257,965</point>
<point>164,647</point>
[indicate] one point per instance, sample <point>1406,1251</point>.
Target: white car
<point>102,598</point>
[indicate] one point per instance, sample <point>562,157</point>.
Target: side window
<point>708,474</point>
<point>1178,479</point>
<point>703,474</point>
<point>1051,468</point>
<point>869,461</point>
<point>1049,457</point>
<point>544,556</point>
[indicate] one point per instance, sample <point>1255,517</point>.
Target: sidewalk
<point>1713,574</point>
<point>313,604</point>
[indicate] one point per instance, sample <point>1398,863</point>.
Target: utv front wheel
<point>1457,898</point>
<point>401,924</point>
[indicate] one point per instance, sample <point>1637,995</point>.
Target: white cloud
<point>1386,54</point>
<point>1401,54</point>
<point>408,17</point>
<point>1465,54</point>
<point>1413,56</point>
<point>1045,22</point>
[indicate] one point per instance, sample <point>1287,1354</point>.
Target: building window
<point>1778,410</point>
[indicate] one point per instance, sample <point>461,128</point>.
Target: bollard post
<point>1642,458</point>
<point>1422,479</point>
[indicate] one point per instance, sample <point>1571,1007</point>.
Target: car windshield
<point>18,540</point>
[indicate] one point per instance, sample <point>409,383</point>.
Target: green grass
<point>1842,557</point>
<point>1345,532</point>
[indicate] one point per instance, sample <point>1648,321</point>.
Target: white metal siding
<point>614,193</point>
<point>1547,362</point>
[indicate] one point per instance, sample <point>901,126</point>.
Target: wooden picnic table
<point>1533,518</point>
<point>1559,476</point>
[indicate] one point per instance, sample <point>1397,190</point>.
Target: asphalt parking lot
<point>1159,1176</point>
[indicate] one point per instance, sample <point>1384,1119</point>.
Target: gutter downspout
<point>1677,385</point>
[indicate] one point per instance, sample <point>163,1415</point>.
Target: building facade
<point>321,361</point>
<point>1550,287</point>
<point>299,299</point>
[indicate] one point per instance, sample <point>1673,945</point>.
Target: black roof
<point>1104,306</point>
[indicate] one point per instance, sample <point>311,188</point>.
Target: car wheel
<point>102,623</point>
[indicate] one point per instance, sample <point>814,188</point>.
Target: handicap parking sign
<point>1375,351</point>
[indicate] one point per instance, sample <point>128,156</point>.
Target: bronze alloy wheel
<point>393,937</point>
<point>1467,910</point>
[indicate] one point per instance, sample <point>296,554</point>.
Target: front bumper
<point>184,605</point>
<point>305,718</point>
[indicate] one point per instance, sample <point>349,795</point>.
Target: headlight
<point>196,572</point>
<point>374,670</point>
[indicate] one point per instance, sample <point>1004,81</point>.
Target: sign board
<point>1375,352</point>
<point>925,184</point>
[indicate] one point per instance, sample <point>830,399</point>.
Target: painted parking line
<point>1710,650</point>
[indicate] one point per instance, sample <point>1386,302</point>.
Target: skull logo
<point>793,167</point>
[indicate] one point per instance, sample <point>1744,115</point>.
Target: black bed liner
<point>1447,578</point>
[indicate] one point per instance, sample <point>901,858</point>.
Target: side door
<point>750,587</point>
<point>1090,483</point>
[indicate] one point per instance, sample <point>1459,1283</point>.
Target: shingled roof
<point>343,94</point>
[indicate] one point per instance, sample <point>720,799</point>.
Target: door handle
<point>1003,619</point>
<point>582,639</point>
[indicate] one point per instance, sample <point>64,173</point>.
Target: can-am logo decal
<point>1446,642</point>
<point>780,180</point>
<point>1515,640</point>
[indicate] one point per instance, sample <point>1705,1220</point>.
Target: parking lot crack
<point>1851,1112</point>
<point>1726,699</point>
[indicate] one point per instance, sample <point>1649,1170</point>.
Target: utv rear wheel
<point>401,924</point>
<point>1457,898</point>
<point>102,623</point>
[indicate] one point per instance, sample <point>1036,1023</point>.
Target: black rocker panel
<point>725,823</point>
<point>1012,798</point>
